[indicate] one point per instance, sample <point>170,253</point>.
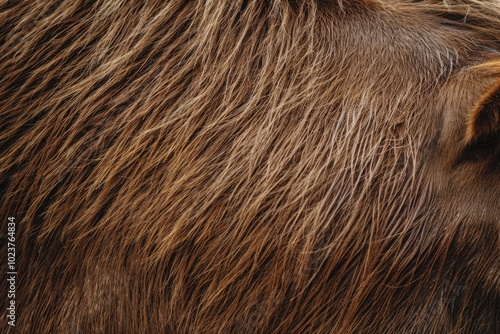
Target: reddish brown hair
<point>252,166</point>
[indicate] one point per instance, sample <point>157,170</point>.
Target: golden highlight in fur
<point>239,166</point>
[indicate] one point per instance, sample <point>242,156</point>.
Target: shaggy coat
<point>251,166</point>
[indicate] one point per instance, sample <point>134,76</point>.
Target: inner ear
<point>483,127</point>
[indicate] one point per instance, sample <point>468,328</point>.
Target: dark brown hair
<point>251,166</point>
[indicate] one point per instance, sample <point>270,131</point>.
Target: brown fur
<point>485,118</point>
<point>249,166</point>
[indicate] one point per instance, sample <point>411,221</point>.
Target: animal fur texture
<point>229,166</point>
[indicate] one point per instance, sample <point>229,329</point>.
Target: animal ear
<point>483,127</point>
